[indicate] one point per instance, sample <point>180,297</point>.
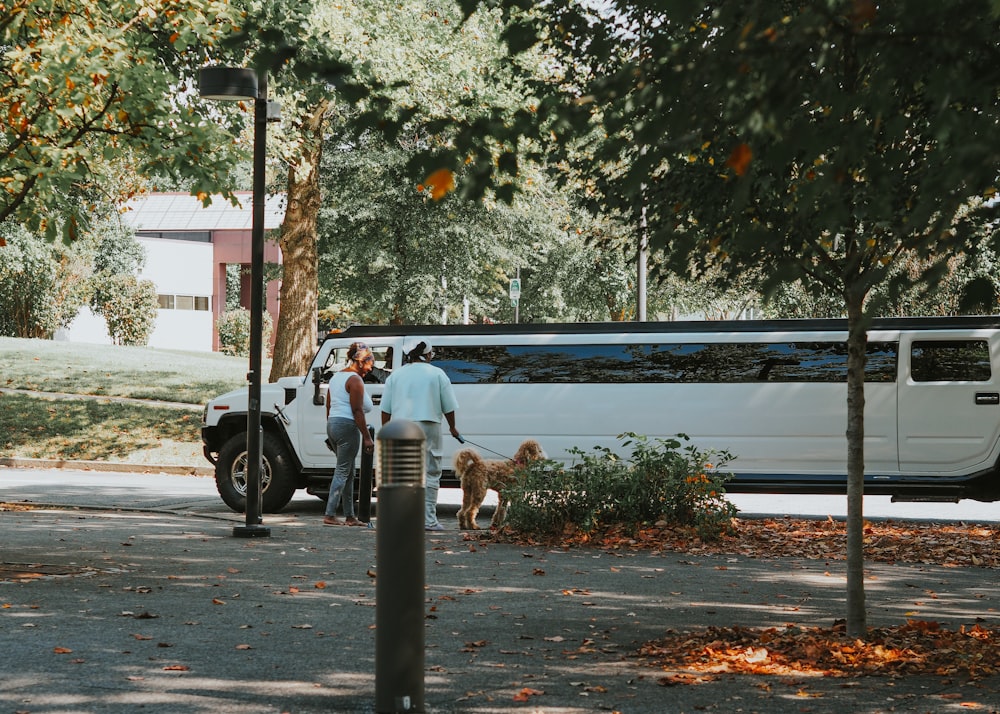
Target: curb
<point>111,466</point>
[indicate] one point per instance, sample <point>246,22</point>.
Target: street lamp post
<point>233,83</point>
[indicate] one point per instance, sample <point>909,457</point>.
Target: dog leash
<point>463,440</point>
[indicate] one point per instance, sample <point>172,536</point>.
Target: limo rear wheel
<point>276,475</point>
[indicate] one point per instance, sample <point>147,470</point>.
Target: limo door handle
<point>377,399</point>
<point>987,398</point>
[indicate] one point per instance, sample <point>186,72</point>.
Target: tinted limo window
<point>673,362</point>
<point>955,361</point>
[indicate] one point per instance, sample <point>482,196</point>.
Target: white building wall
<point>86,327</point>
<point>188,330</point>
<point>177,268</point>
<point>183,269</point>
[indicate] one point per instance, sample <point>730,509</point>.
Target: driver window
<point>337,360</point>
<point>383,365</point>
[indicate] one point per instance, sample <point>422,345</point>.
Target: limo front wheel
<point>276,480</point>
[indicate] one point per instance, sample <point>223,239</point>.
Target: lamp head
<point>227,83</point>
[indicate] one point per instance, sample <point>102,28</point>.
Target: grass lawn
<point>137,372</point>
<point>98,430</point>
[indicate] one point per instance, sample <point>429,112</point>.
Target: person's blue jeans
<point>346,439</point>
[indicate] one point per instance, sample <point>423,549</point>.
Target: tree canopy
<point>819,141</point>
<point>94,91</point>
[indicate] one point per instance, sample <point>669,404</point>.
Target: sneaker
<point>435,527</point>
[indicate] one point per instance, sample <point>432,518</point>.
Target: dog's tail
<point>465,461</point>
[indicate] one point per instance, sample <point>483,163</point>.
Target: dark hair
<point>416,353</point>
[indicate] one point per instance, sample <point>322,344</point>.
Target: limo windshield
<point>709,362</point>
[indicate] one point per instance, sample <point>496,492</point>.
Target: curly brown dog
<point>478,475</point>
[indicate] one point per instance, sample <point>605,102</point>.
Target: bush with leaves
<point>234,332</point>
<point>128,306</point>
<point>27,285</point>
<point>665,481</point>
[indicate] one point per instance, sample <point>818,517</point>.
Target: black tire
<point>277,476</point>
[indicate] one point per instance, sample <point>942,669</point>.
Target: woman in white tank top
<point>346,429</point>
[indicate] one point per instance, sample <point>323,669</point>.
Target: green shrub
<point>27,285</point>
<point>665,481</point>
<point>234,332</point>
<point>128,306</point>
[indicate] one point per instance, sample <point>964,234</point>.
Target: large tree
<point>389,49</point>
<point>820,141</point>
<point>92,90</point>
<point>305,73</point>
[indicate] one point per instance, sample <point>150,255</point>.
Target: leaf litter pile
<point>953,545</point>
<point>915,648</point>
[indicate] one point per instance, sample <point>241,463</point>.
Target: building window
<point>184,302</point>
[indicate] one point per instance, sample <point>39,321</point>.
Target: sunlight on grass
<point>137,372</point>
<point>97,430</point>
<point>89,430</point>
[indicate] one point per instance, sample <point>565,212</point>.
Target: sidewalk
<point>158,608</point>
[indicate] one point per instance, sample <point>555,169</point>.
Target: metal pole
<point>643,253</point>
<point>641,259</point>
<point>255,457</point>
<point>399,558</point>
<point>365,484</point>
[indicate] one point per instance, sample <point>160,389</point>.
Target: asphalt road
<point>198,494</point>
<point>144,601</point>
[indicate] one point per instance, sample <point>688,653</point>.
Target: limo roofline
<point>965,322</point>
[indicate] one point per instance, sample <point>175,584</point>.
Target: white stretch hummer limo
<point>771,393</point>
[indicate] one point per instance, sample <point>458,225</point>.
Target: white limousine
<point>771,392</point>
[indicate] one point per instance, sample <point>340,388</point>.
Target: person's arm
<point>386,406</point>
<point>448,402</point>
<point>356,392</point>
<point>328,400</point>
<point>450,417</point>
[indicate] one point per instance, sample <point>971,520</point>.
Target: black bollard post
<point>365,484</point>
<point>399,558</point>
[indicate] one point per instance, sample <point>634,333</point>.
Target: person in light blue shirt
<point>422,393</point>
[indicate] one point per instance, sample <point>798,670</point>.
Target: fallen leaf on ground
<point>948,544</point>
<point>916,648</point>
<point>526,693</point>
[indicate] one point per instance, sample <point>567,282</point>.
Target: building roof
<point>164,212</point>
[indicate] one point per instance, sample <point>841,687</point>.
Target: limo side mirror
<point>317,373</point>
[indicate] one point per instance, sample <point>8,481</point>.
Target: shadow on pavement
<point>168,612</point>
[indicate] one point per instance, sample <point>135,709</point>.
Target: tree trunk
<point>295,335</point>
<point>857,341</point>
